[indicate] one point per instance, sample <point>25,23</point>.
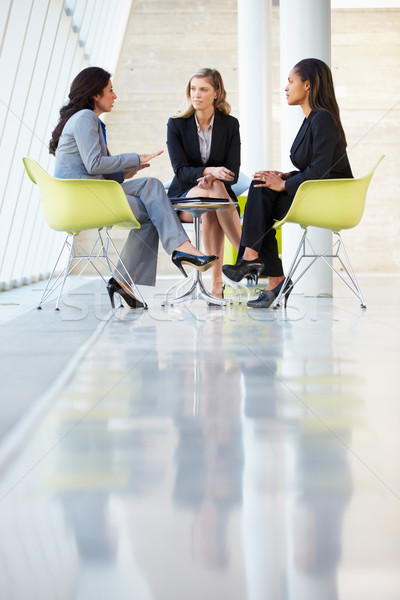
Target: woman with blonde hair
<point>204,149</point>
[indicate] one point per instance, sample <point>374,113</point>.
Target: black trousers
<point>263,207</point>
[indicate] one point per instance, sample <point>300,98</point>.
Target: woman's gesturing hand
<point>132,172</point>
<point>144,158</point>
<point>144,163</point>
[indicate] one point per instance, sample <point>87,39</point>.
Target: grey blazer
<point>82,152</point>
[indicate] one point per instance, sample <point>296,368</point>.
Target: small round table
<point>197,207</point>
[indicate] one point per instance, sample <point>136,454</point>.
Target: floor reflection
<point>210,454</point>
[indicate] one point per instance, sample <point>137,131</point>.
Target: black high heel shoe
<point>201,263</point>
<point>114,287</point>
<point>242,268</point>
<point>267,297</point>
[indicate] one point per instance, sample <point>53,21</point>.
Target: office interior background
<point>197,453</point>
<point>152,48</point>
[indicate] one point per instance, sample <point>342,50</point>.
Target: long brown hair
<point>214,78</point>
<point>322,92</point>
<point>88,83</point>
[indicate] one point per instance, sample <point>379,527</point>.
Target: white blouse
<point>205,138</point>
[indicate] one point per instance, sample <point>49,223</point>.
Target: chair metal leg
<point>126,278</point>
<point>332,252</point>
<point>79,257</point>
<point>91,256</point>
<point>293,267</point>
<point>104,248</point>
<point>349,270</point>
<point>78,254</point>
<point>98,252</point>
<point>49,287</point>
<point>66,272</point>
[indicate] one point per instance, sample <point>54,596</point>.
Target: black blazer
<point>318,152</point>
<point>184,151</point>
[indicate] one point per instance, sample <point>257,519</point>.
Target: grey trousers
<point>154,211</point>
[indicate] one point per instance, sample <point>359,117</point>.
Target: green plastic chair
<point>333,204</point>
<point>75,205</point>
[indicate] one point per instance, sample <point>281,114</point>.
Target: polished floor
<point>200,453</point>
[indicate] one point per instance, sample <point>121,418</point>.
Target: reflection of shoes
<point>114,287</point>
<point>201,263</point>
<point>267,297</point>
<point>242,268</point>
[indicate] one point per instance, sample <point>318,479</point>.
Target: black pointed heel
<point>267,297</point>
<point>201,263</point>
<point>289,288</point>
<point>244,268</point>
<point>114,287</point>
<point>111,292</point>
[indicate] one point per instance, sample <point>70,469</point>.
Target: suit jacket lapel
<point>217,135</point>
<point>193,139</point>
<point>302,131</point>
<point>103,145</point>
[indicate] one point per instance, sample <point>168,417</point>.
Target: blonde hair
<point>214,78</point>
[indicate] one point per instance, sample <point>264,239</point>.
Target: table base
<point>196,291</point>
<point>198,206</point>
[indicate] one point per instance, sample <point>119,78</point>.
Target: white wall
<point>43,45</point>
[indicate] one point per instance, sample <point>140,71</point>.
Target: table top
<point>201,204</point>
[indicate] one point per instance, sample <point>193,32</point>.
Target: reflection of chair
<point>333,204</point>
<point>75,205</point>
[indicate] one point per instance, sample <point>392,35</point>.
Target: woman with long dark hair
<point>204,148</point>
<point>318,152</point>
<point>80,147</point>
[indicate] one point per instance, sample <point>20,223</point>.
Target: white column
<point>255,104</point>
<point>305,32</point>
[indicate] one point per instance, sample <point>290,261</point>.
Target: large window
<point>43,45</point>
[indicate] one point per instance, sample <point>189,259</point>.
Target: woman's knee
<point>218,188</point>
<point>257,191</point>
<point>259,196</point>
